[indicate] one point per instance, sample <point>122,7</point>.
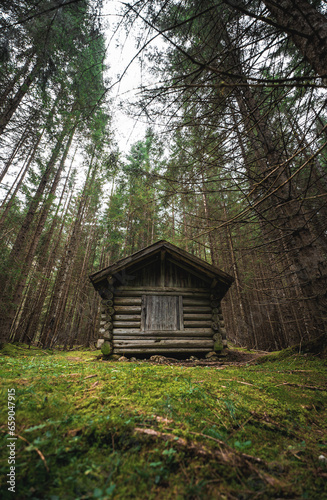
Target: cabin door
<point>161,313</point>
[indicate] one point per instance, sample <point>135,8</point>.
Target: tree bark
<point>12,106</point>
<point>306,27</point>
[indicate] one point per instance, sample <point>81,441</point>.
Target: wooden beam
<point>138,292</point>
<point>162,268</point>
<point>127,317</point>
<point>189,331</point>
<point>161,350</point>
<point>196,309</point>
<point>180,335</point>
<point>196,302</point>
<point>213,283</point>
<point>197,317</point>
<point>176,289</point>
<point>180,313</point>
<point>127,309</point>
<point>171,343</point>
<point>189,269</point>
<point>143,313</point>
<point>128,301</point>
<point>197,324</point>
<point>127,324</point>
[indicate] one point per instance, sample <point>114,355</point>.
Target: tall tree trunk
<point>306,27</point>
<point>277,203</point>
<point>24,241</point>
<point>59,298</point>
<point>12,106</point>
<point>31,315</point>
<point>16,148</point>
<point>207,217</point>
<point>20,181</point>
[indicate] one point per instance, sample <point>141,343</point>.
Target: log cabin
<point>161,300</point>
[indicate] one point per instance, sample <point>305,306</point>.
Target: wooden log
<point>153,290</point>
<point>141,337</point>
<point>127,324</point>
<point>109,311</point>
<point>198,317</point>
<point>161,350</point>
<point>162,291</point>
<point>107,336</point>
<point>197,309</point>
<point>180,320</point>
<point>215,327</point>
<point>128,301</point>
<point>163,343</point>
<point>218,345</point>
<point>127,317</point>
<point>108,328</point>
<point>143,312</point>
<point>106,348</point>
<point>107,303</point>
<point>181,334</point>
<point>195,302</point>
<point>197,324</point>
<point>163,332</point>
<point>106,325</point>
<point>128,309</point>
<point>214,303</point>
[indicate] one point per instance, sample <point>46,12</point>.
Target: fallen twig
<point>312,387</point>
<point>227,455</point>
<point>222,443</point>
<point>238,381</point>
<point>37,451</point>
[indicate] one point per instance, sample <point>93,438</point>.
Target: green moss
<point>106,348</point>
<point>81,413</point>
<point>218,346</point>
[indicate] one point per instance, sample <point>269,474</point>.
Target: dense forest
<point>232,166</point>
<point>227,163</point>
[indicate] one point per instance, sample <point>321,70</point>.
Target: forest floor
<point>248,426</point>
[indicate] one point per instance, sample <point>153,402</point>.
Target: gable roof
<point>200,265</point>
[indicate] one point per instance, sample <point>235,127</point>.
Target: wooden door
<point>161,313</point>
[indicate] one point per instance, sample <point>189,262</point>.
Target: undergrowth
<point>89,429</point>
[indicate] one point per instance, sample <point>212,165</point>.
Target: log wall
<point>201,323</point>
<point>194,326</point>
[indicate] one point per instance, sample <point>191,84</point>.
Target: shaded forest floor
<point>238,428</point>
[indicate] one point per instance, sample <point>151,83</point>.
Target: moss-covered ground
<point>93,429</point>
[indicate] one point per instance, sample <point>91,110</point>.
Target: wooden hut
<point>161,300</point>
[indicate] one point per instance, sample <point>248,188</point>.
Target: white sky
<point>121,48</point>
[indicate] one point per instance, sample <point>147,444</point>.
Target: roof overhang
<point>179,255</point>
